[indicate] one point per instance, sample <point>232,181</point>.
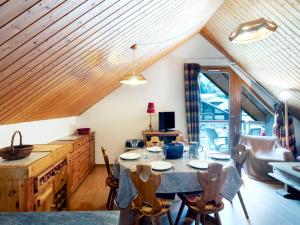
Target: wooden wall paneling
<point>252,54</point>
<point>21,81</point>
<point>56,56</point>
<point>283,49</point>
<point>273,62</point>
<point>258,64</point>
<point>27,18</point>
<point>63,38</point>
<point>64,105</point>
<point>244,47</point>
<point>126,46</point>
<point>9,11</point>
<point>109,83</point>
<point>58,53</point>
<point>281,41</point>
<point>2,2</point>
<point>53,22</point>
<point>80,98</point>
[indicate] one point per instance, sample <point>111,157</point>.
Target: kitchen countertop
<point>38,152</point>
<point>61,218</point>
<point>41,158</point>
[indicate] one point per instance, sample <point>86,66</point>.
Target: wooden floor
<point>264,205</point>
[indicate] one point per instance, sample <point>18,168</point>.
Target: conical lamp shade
<point>133,79</point>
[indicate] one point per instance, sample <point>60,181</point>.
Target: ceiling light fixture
<point>252,31</point>
<point>133,78</point>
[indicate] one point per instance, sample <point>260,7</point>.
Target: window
<point>214,114</point>
<point>256,118</point>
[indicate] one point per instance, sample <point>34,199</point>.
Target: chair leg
<point>158,220</point>
<point>218,219</point>
<point>170,217</point>
<point>197,219</point>
<point>243,205</point>
<point>108,199</point>
<point>113,198</point>
<point>179,213</point>
<point>152,220</point>
<point>136,219</point>
<point>202,219</point>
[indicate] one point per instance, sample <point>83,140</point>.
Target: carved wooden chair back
<point>239,156</point>
<point>106,160</point>
<point>146,184</point>
<point>154,141</point>
<point>211,183</point>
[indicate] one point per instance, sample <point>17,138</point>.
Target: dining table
<point>180,178</point>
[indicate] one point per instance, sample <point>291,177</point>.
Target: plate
<point>198,164</point>
<point>220,156</point>
<point>154,149</point>
<point>161,165</point>
<point>130,156</point>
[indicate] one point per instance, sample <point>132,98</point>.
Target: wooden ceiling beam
<point>84,67</point>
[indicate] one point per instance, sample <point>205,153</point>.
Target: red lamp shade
<point>151,108</point>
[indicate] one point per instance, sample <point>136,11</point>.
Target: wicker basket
<point>16,152</point>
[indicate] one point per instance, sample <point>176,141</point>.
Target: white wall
<point>122,114</point>
<point>38,132</point>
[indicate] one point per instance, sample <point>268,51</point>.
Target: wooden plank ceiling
<point>59,57</point>
<point>273,62</point>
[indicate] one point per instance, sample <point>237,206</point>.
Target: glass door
<point>215,111</point>
<point>256,118</point>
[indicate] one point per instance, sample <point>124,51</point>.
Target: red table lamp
<point>150,110</point>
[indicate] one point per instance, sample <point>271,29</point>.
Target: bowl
<point>173,150</point>
<point>83,130</point>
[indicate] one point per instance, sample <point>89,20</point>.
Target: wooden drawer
<point>85,139</point>
<point>80,160</point>
<point>77,144</point>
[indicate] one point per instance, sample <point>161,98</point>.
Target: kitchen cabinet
<point>45,180</point>
<point>81,158</point>
<point>30,184</point>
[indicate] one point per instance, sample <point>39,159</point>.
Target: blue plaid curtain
<point>192,100</point>
<point>280,129</point>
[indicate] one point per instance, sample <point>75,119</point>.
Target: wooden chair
<point>146,204</point>
<point>111,181</point>
<point>209,201</point>
<point>239,155</point>
<point>154,141</point>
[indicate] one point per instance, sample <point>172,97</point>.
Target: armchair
<point>214,141</point>
<point>260,151</point>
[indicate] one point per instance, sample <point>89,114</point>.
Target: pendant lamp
<point>133,78</point>
<point>252,31</point>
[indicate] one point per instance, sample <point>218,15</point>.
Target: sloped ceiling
<point>59,57</point>
<point>273,62</point>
